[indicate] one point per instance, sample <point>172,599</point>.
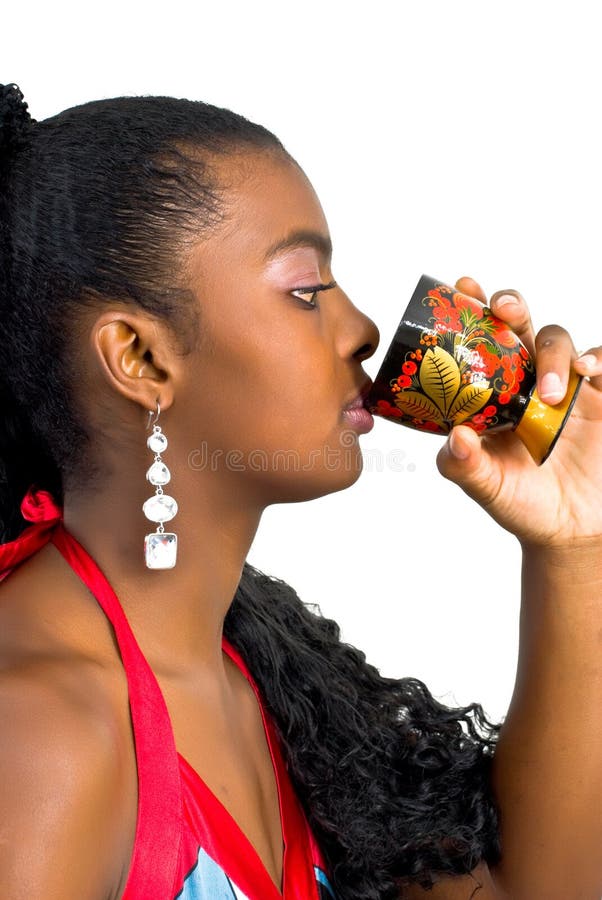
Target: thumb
<point>464,459</point>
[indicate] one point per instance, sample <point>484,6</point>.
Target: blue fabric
<point>208,881</point>
<point>324,883</point>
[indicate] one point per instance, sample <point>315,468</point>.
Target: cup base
<point>540,425</point>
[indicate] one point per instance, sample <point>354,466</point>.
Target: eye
<point>309,295</point>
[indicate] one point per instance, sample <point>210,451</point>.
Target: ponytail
<point>23,463</point>
<point>22,458</point>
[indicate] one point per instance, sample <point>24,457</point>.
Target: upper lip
<point>358,399</point>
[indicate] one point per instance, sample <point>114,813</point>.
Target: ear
<point>135,357</point>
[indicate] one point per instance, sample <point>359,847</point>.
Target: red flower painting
<point>468,368</point>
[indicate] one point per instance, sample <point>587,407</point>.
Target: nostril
<point>363,351</point>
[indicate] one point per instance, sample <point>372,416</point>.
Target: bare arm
<point>548,765</point>
<point>547,775</point>
<point>59,834</point>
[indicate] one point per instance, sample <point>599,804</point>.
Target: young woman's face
<point>277,363</point>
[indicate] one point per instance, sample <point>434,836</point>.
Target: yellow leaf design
<point>440,378</point>
<point>470,399</point>
<point>416,405</point>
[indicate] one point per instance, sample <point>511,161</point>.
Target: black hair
<point>396,786</point>
<point>95,204</point>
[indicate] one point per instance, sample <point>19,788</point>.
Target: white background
<point>443,137</point>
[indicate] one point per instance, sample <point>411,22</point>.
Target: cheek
<point>265,379</point>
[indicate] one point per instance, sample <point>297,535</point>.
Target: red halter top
<point>187,845</point>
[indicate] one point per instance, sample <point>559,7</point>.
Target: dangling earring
<point>160,547</point>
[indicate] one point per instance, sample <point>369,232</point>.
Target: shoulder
<point>62,784</point>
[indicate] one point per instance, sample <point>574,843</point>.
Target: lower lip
<point>359,419</point>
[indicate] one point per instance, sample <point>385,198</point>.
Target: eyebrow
<point>302,238</point>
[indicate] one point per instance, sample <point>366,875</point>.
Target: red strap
<point>153,869</point>
<point>299,882</point>
<point>38,507</point>
<point>158,828</point>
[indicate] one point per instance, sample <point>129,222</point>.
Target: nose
<point>360,336</point>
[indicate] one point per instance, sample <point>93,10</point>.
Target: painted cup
<point>453,362</point>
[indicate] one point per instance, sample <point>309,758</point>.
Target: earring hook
<point>157,414</point>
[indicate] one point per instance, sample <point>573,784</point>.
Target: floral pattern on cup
<point>462,365</point>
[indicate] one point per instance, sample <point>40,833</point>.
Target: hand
<point>560,501</point>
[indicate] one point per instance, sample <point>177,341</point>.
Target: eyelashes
<point>312,292</point>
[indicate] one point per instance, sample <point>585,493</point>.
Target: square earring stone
<point>160,550</point>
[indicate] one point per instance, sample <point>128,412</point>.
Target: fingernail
<point>588,360</point>
<point>551,387</point>
<point>505,300</point>
<point>457,448</point>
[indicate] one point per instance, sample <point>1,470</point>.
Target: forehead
<point>266,197</point>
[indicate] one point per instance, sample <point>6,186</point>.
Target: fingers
<point>465,459</point>
<point>461,455</point>
<point>554,353</point>
<point>506,305</point>
<point>510,306</point>
<point>477,464</point>
<point>552,349</point>
<point>467,285</point>
<point>589,364</point>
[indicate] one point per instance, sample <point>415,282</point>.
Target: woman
<point>196,731</point>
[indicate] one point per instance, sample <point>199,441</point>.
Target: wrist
<point>579,558</point>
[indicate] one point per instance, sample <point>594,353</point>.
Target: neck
<point>176,614</point>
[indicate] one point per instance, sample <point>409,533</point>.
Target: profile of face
<point>282,345</point>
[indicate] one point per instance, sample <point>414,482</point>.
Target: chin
<point>334,474</point>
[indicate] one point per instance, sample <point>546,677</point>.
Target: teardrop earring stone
<point>158,473</point>
<point>160,508</point>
